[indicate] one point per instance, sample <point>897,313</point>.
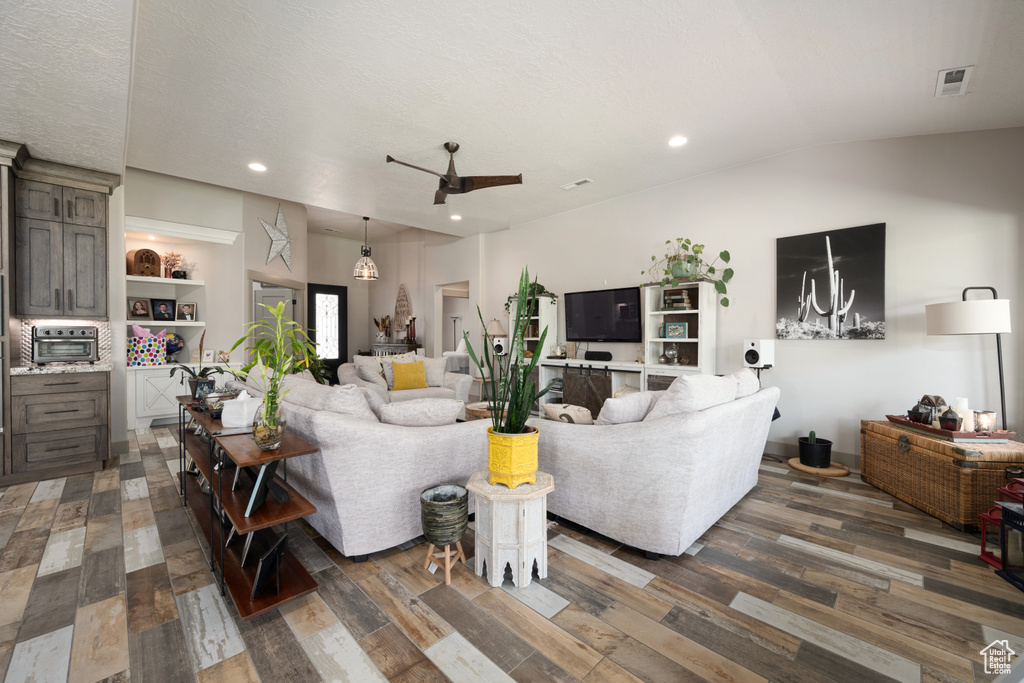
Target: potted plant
<point>512,445</point>
<point>278,348</point>
<point>683,262</point>
<point>536,290</point>
<point>815,452</point>
<point>200,377</point>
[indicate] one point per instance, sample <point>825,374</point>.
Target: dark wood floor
<point>807,579</point>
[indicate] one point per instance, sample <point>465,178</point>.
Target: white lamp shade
<point>983,316</point>
<point>494,329</point>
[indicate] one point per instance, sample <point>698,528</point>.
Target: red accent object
<point>993,517</point>
<point>1014,491</point>
<point>976,437</point>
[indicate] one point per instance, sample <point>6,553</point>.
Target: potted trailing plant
<point>512,445</point>
<point>200,377</point>
<point>536,290</point>
<point>815,452</point>
<point>278,348</point>
<point>683,262</point>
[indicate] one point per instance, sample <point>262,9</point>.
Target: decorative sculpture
<point>280,240</point>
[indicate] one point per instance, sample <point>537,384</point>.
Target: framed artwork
<point>195,356</point>
<point>138,309</point>
<point>675,330</point>
<point>185,311</point>
<point>223,356</point>
<point>209,355</point>
<point>831,285</point>
<point>163,309</point>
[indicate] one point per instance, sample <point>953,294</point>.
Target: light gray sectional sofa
<point>441,382</point>
<point>659,483</point>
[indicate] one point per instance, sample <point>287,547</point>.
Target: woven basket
<point>954,482</point>
<point>444,511</point>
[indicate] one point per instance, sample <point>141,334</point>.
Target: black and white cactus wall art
<point>831,285</point>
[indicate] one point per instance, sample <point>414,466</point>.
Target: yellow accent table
<point>511,528</point>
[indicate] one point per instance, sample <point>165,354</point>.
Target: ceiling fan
<point>452,183</point>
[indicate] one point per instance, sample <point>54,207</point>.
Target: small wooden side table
<point>511,528</point>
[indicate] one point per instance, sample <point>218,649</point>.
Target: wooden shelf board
<point>295,580</point>
<point>165,281</point>
<point>168,323</point>
<point>245,453</point>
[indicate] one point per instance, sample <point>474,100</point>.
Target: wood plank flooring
<point>102,578</point>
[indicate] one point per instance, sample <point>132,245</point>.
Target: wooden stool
<point>449,559</point>
<point>511,528</point>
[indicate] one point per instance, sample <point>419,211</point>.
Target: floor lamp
<point>455,331</point>
<point>979,316</point>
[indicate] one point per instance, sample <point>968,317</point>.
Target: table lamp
<point>979,316</point>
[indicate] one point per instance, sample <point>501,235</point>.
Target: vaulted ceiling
<point>320,91</point>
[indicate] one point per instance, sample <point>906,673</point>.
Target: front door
<point>328,329</point>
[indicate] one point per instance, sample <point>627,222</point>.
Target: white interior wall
<point>401,260</point>
<point>953,209</point>
<point>330,261</point>
<point>117,310</point>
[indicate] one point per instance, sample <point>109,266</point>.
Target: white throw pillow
<point>632,407</point>
<point>625,389</point>
<point>373,399</point>
<point>433,368</point>
<point>746,382</point>
<point>690,393</point>
<point>348,399</point>
<point>564,412</point>
<point>461,348</point>
<point>369,370</point>
<point>302,392</point>
<point>421,412</point>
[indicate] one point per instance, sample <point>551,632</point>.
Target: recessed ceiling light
<point>257,166</point>
<point>677,141</point>
<point>456,217</point>
<point>152,238</point>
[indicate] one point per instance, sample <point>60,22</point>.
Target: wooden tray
<point>956,437</point>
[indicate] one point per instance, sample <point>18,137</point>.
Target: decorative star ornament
<point>280,240</point>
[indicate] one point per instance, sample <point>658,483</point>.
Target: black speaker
<point>597,355</point>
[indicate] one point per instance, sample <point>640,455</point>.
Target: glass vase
<point>268,427</point>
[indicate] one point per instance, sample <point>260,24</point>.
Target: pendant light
<point>365,269</point>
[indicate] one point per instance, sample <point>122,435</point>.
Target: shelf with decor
<point>168,323</point>
<point>688,310</point>
<point>164,281</point>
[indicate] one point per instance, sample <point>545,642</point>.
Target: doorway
<point>455,315</point>
<point>328,329</point>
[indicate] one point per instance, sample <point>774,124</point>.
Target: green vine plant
<point>280,345</point>
<point>536,290</point>
<point>683,262</point>
<point>512,392</point>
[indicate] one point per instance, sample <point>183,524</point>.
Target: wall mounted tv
<point>605,315</point>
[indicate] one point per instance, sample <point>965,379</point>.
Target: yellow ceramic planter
<point>512,458</point>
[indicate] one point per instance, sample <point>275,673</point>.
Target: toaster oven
<point>65,344</point>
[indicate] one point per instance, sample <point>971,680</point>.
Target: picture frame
<point>163,309</point>
<point>194,356</point>
<point>139,309</point>
<point>186,311</point>
<point>209,356</point>
<point>676,330</point>
<point>223,356</point>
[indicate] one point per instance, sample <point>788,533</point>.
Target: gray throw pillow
<point>369,370</point>
<point>348,399</point>
<point>746,382</point>
<point>631,407</point>
<point>433,368</point>
<point>691,392</point>
<point>565,412</point>
<point>421,412</point>
<point>373,399</point>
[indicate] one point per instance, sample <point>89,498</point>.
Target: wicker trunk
<point>952,481</point>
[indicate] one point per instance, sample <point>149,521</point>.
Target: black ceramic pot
<point>817,454</point>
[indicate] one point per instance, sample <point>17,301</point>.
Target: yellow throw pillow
<point>409,376</point>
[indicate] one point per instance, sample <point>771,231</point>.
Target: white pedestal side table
<point>511,528</point>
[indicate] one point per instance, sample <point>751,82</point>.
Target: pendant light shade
<point>365,268</point>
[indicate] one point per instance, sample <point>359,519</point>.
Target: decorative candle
<point>985,420</point>
<point>962,409</point>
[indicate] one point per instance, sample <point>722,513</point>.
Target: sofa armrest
<point>458,383</point>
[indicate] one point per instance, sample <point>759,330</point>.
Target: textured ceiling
<point>339,224</point>
<point>64,73</point>
<point>321,91</point>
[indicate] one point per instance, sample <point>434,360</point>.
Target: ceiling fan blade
<point>391,159</point>
<point>439,197</point>
<point>476,182</point>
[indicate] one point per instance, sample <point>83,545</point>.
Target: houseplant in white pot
<point>512,445</point>
<point>278,348</point>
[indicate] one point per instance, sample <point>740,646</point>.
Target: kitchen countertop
<point>61,368</point>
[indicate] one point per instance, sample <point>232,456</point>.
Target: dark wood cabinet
<point>60,262</point>
<point>587,387</point>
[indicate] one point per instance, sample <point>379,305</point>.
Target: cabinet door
<point>587,388</point>
<point>85,271</point>
<point>41,201</point>
<point>39,277</point>
<point>82,207</point>
<point>156,393</point>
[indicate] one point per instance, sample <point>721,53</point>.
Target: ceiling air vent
<point>953,81</point>
<point>573,186</point>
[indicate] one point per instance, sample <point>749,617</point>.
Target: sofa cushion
<point>348,399</point>
<point>630,407</point>
<point>434,368</point>
<point>746,382</point>
<point>565,412</point>
<point>385,364</point>
<point>409,375</point>
<point>689,393</point>
<point>373,399</point>
<point>369,370</point>
<point>304,393</point>
<point>421,412</point>
<point>414,394</point>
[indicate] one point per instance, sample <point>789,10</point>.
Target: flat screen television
<point>605,315</point>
